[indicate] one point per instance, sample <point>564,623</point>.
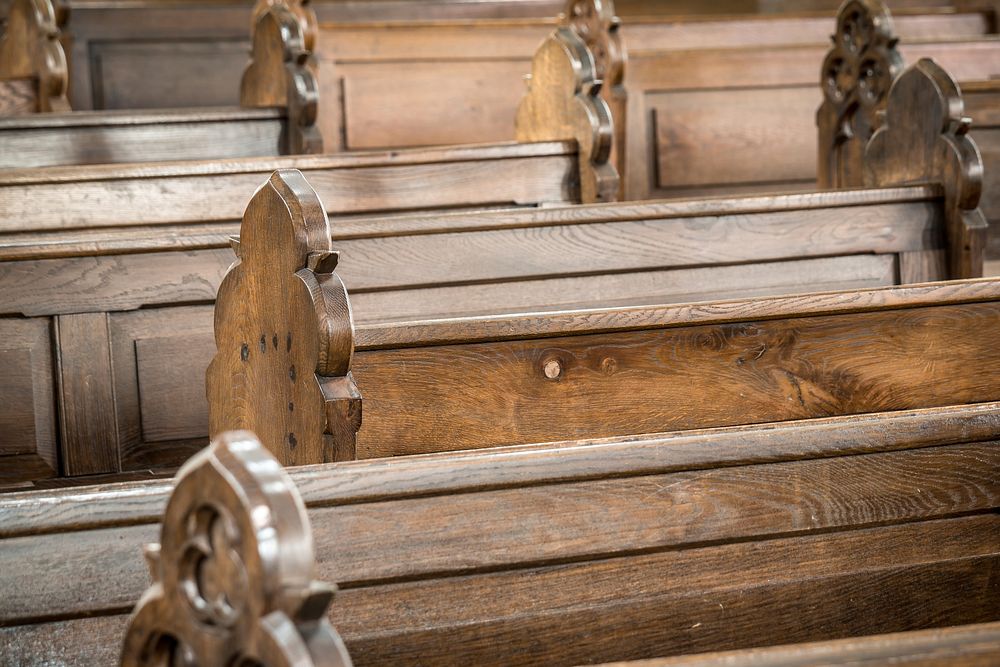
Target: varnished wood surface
<point>962,646</point>
<point>131,503</point>
<point>803,545</point>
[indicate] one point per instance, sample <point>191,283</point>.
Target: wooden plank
<point>799,603</point>
<point>628,289</point>
<point>719,137</point>
<point>496,393</point>
<point>141,200</point>
<point>968,645</point>
<point>645,243</point>
<point>360,481</point>
<point>22,148</point>
<point>441,474</point>
<point>579,521</point>
<point>89,434</point>
<point>114,283</point>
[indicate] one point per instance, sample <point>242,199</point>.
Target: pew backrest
<point>278,96</point>
<point>578,552</point>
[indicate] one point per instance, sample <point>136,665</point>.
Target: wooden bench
<point>144,301</point>
<point>33,74</point>
<point>286,363</point>
<point>278,114</point>
<point>93,259</point>
<point>571,553</point>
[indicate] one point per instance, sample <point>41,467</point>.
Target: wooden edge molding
<point>30,49</point>
<point>856,76</point>
<point>564,102</point>
<point>282,73</point>
<point>233,572</point>
<point>922,139</point>
<point>134,503</point>
<point>597,24</point>
<point>955,646</point>
<point>284,332</point>
<point>524,326</point>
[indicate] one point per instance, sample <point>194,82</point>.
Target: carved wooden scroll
<point>596,23</point>
<point>33,73</point>
<point>856,77</point>
<point>563,102</point>
<point>284,332</point>
<point>923,140</point>
<point>281,74</point>
<point>302,10</point>
<point>233,572</point>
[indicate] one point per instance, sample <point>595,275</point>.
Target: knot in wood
<point>552,369</point>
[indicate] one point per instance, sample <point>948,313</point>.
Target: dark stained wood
<point>512,252</point>
<point>280,75</point>
<point>304,353</point>
<point>28,444</point>
<point>583,552</point>
<point>924,117</point>
<point>563,102</point>
<point>89,437</point>
<point>962,646</point>
<point>30,49</point>
<point>855,77</point>
<point>233,571</point>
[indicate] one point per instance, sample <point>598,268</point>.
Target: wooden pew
<point>277,115</point>
<point>943,647</point>
<point>575,553</point>
<point>144,300</point>
<point>104,265</point>
<point>288,369</point>
<point>33,74</point>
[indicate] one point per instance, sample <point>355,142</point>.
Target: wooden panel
<point>18,96</point>
<point>477,99</point>
<point>628,289</point>
<point>89,435</point>
<point>729,136</point>
<point>108,283</point>
<point>136,75</point>
<point>643,243</point>
<point>201,197</point>
<point>487,394</point>
<point>66,145</point>
<point>27,394</point>
<point>160,357</point>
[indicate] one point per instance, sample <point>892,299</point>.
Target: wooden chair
<point>286,366</point>
<point>576,553</point>
<point>277,116</point>
<point>33,75</point>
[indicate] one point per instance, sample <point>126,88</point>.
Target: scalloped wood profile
<point>303,12</point>
<point>281,74</point>
<point>856,76</point>
<point>563,102</point>
<point>284,332</point>
<point>597,24</point>
<point>233,572</point>
<point>33,72</point>
<point>923,140</point>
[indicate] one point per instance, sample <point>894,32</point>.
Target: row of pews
<point>507,388</point>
